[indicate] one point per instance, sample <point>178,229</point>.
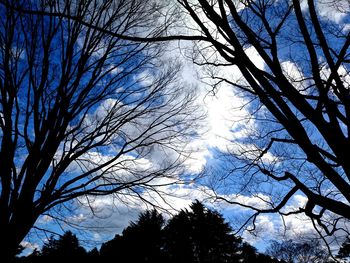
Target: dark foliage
<point>67,246</point>
<point>93,254</point>
<point>140,242</point>
<point>344,250</point>
<point>198,235</point>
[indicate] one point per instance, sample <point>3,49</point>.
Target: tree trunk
<point>12,233</point>
<point>9,243</point>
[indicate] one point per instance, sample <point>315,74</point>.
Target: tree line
<point>196,235</point>
<point>193,235</point>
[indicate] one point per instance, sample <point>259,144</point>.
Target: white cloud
<point>294,74</point>
<point>265,227</point>
<point>115,212</point>
<point>333,10</point>
<point>197,160</point>
<point>330,9</point>
<point>45,219</point>
<point>346,28</point>
<point>228,118</point>
<point>29,247</point>
<point>343,72</point>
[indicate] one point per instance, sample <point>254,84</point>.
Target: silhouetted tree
<point>80,110</point>
<point>196,235</point>
<point>250,254</point>
<point>200,235</point>
<point>110,250</point>
<point>93,254</point>
<point>178,238</point>
<point>298,252</point>
<point>284,250</point>
<point>66,247</point>
<point>344,250</point>
<point>142,241</point>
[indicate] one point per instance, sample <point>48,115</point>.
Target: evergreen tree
<point>140,242</point>
<point>197,235</point>
<point>344,250</point>
<point>178,239</point>
<point>67,246</point>
<point>200,235</point>
<point>110,249</point>
<point>93,254</point>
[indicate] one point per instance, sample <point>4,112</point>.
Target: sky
<point>225,125</point>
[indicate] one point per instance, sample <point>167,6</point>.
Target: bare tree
<point>83,112</point>
<point>299,252</point>
<point>299,99</point>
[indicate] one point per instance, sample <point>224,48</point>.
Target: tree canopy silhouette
<point>142,241</point>
<point>82,113</point>
<point>196,235</point>
<point>200,235</point>
<point>344,250</point>
<point>65,247</point>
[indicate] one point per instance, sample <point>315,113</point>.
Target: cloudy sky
<point>226,124</point>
